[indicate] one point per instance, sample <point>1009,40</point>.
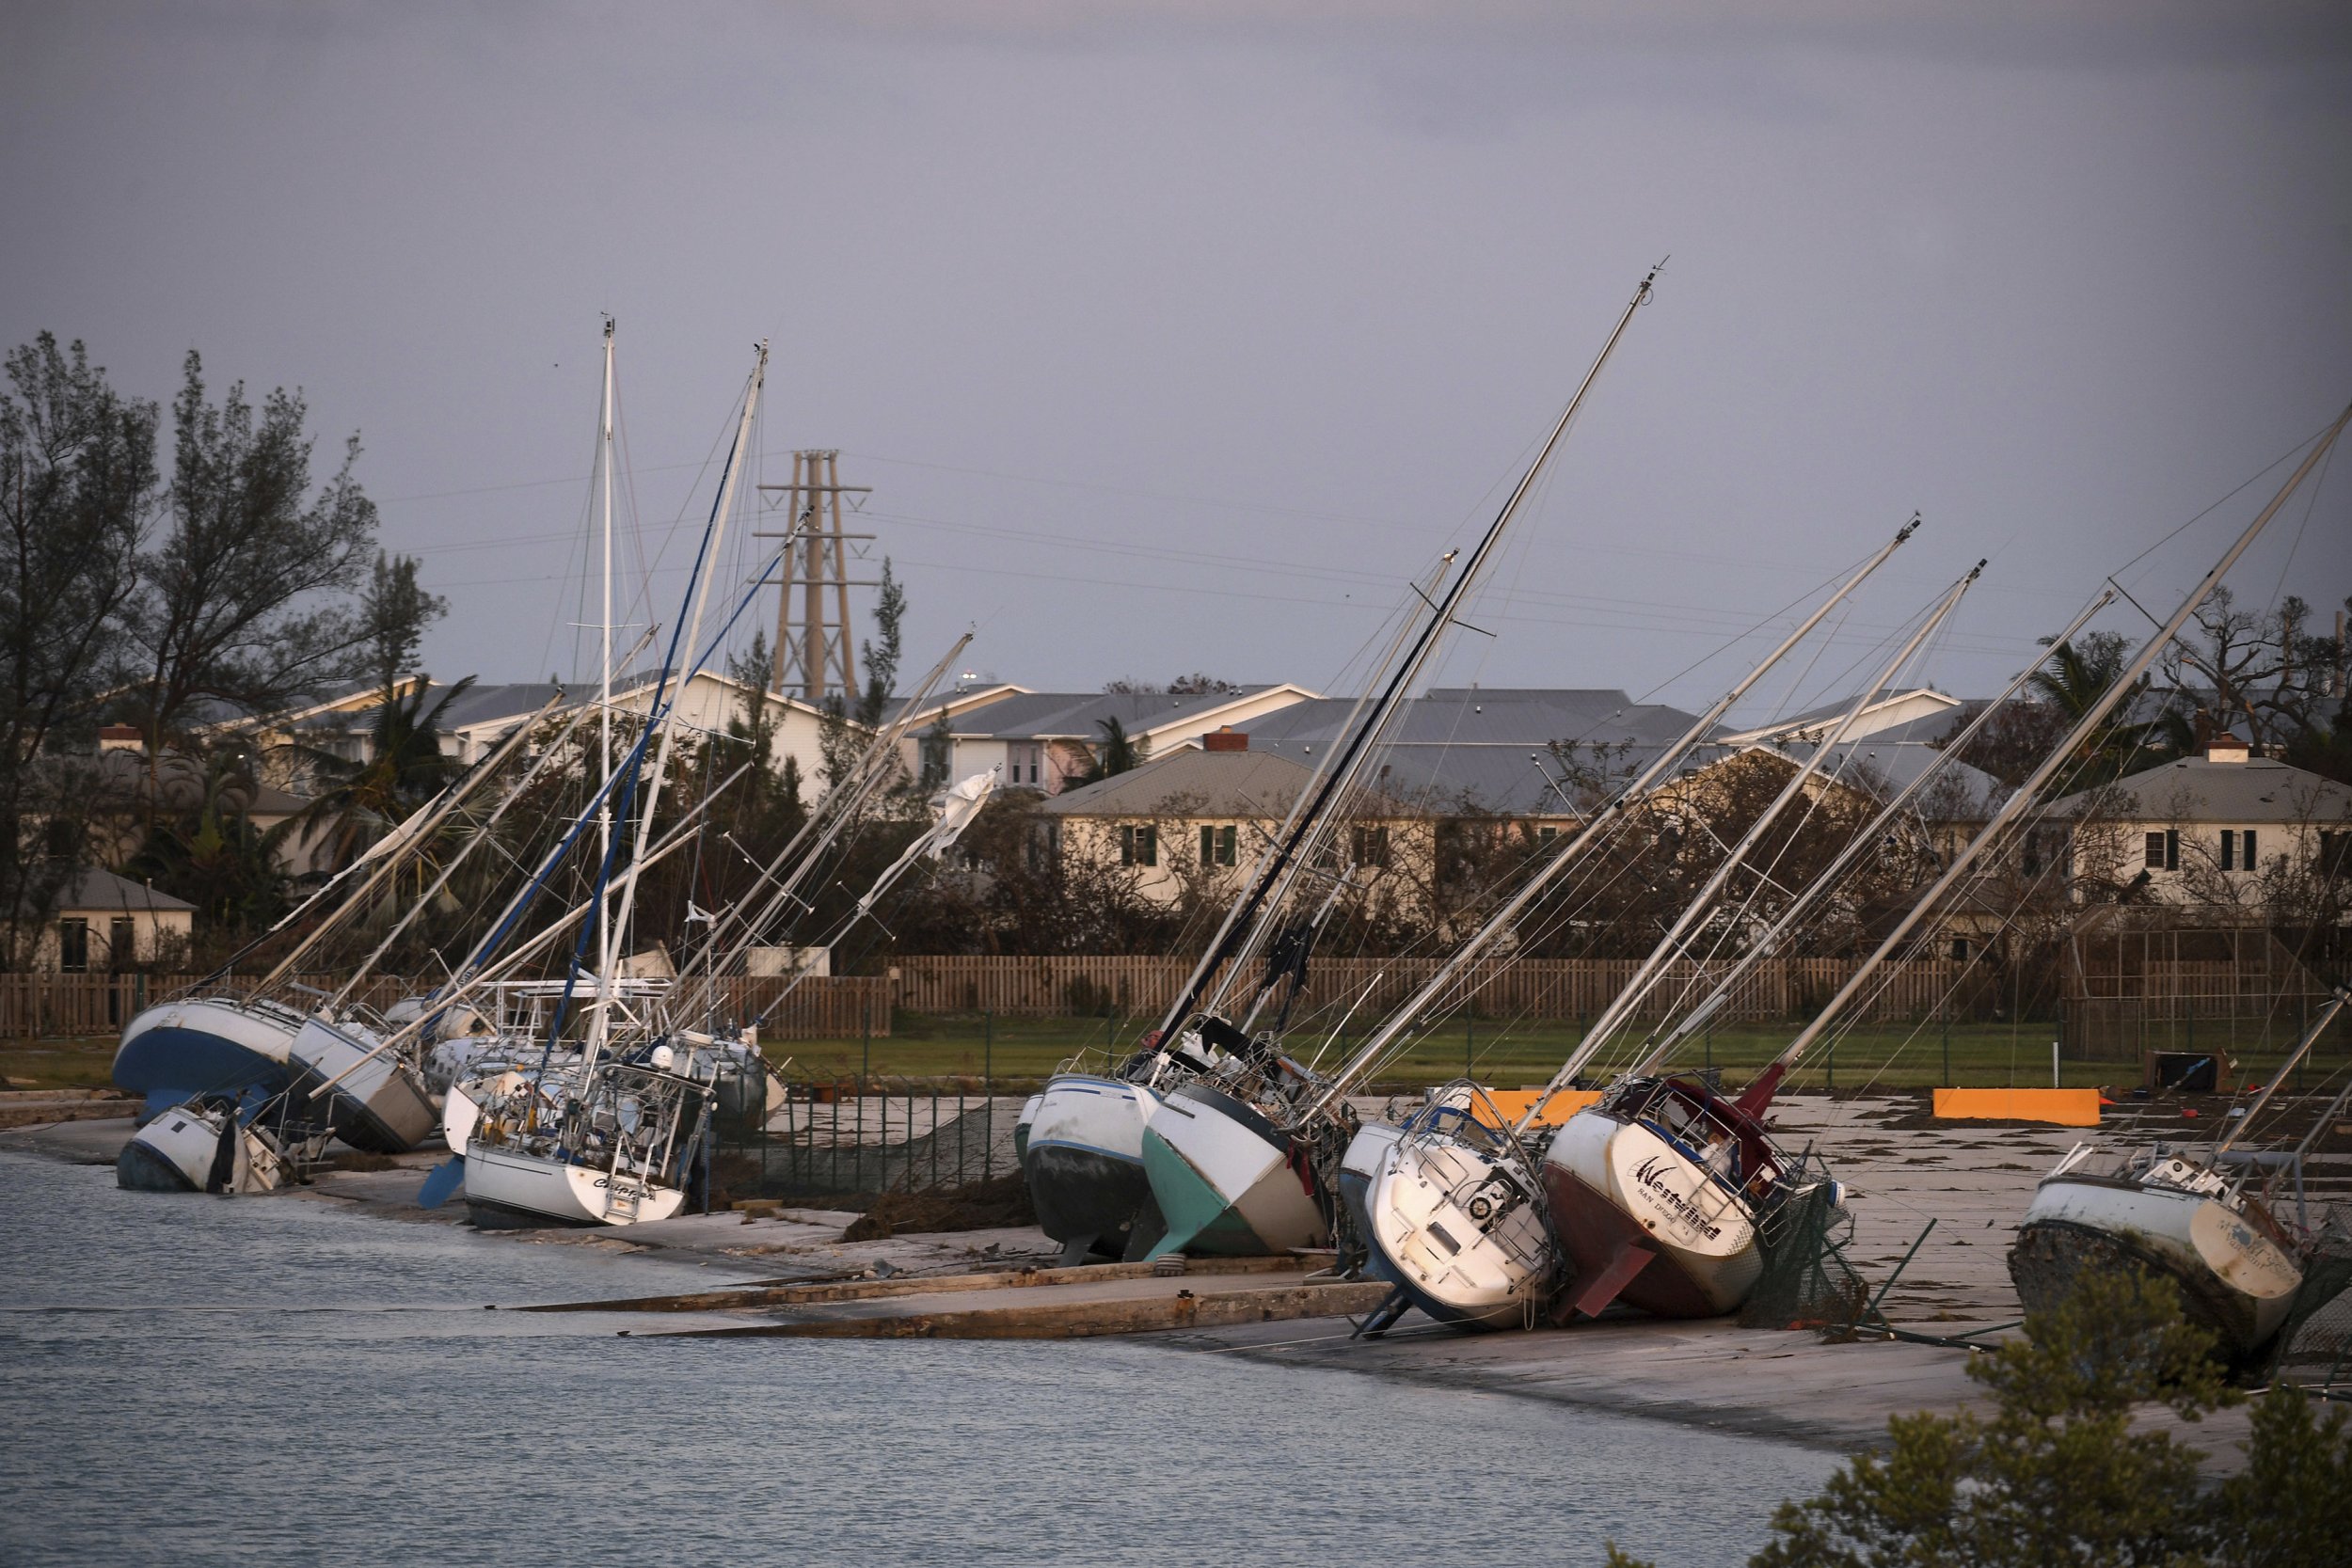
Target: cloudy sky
<point>1178,337</point>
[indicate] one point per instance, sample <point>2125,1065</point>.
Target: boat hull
<point>506,1188</point>
<point>176,1050</point>
<point>2233,1279</point>
<point>1084,1161</point>
<point>1459,1233</point>
<point>183,1150</point>
<point>1021,1125</point>
<point>1358,1165</point>
<point>1223,1178</point>
<point>379,1104</point>
<point>1615,1188</point>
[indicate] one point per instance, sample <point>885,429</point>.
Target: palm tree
<point>2074,680</point>
<point>406,766</point>
<point>1120,752</point>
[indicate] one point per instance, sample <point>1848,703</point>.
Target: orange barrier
<point>2060,1107</point>
<point>1513,1104</point>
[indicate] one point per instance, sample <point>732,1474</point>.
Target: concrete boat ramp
<point>1016,1303</point>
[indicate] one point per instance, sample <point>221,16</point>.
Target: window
<point>1220,845</point>
<point>1369,847</point>
<point>1024,762</point>
<point>2156,851</point>
<point>1960,950</point>
<point>2228,850</point>
<point>1045,847</point>
<point>1138,845</point>
<point>73,946</point>
<point>1545,835</point>
<point>2246,850</point>
<point>123,941</point>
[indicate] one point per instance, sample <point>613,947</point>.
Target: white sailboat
<point>2185,1213</point>
<point>1657,1194</point>
<point>1238,1164</point>
<point>1493,1265</point>
<point>636,1114</point>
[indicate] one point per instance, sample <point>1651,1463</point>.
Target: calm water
<point>192,1380</point>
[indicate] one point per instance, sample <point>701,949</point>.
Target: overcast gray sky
<point>1177,337</point>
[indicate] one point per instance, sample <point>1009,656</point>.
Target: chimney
<point>121,737</point>
<point>2225,747</point>
<point>1224,738</point>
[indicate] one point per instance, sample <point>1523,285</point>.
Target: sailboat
<point>1245,1159</point>
<point>1657,1191</point>
<point>637,1110</point>
<point>1453,1206</point>
<point>217,1143</point>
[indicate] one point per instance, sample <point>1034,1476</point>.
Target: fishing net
<point>1806,1282</point>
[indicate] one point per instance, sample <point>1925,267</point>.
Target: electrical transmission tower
<point>813,657</point>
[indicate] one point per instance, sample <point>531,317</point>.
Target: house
<point>1920,709</point>
<point>1192,821</point>
<point>124,783</point>
<point>1504,752</point>
<point>2223,831</point>
<point>105,922</point>
<point>1455,761</point>
<point>1046,740</point>
<point>484,715</point>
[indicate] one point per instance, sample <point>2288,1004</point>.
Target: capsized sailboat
<point>1245,1160</point>
<point>2187,1214</point>
<point>1487,1269</point>
<point>1657,1193</point>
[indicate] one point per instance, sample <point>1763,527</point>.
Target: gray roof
<point>1471,747</point>
<point>1078,715</point>
<point>1896,757</point>
<point>2259,789</point>
<point>1254,785</point>
<point>103,890</point>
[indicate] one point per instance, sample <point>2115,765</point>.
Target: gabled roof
<point>1250,784</point>
<point>1079,715</point>
<point>961,701</point>
<point>1895,708</point>
<point>94,889</point>
<point>1897,756</point>
<point>2258,790</point>
<point>1471,747</point>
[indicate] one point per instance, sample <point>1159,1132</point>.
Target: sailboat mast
<point>1238,919</point>
<point>682,668</point>
<point>604,664</point>
<point>1502,918</point>
<point>2063,753</point>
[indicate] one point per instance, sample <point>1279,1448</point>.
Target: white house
<point>105,922</point>
<point>2222,831</point>
<point>1046,740</point>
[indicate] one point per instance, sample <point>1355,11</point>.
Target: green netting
<point>1806,1282</point>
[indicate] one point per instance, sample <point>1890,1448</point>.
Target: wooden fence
<point>84,1005</point>
<point>1533,991</point>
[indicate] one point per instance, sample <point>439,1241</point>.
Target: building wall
<point>152,933</point>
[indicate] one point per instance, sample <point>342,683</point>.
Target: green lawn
<point>1018,1054</point>
<point>57,1064</point>
<point>1019,1051</point>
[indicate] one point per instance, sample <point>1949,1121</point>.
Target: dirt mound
<point>979,1206</point>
